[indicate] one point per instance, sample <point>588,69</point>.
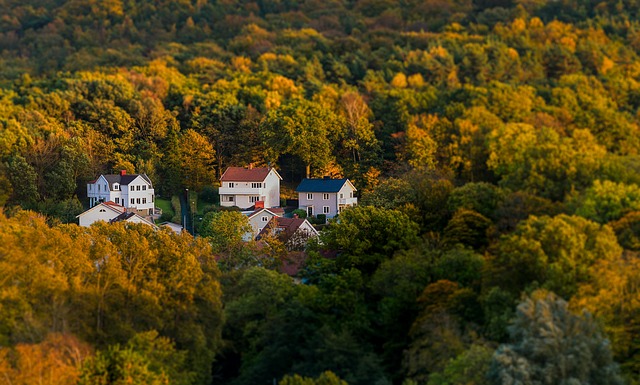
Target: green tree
<point>225,231</point>
<point>554,253</point>
<point>606,201</point>
<point>367,235</point>
<point>304,129</point>
<point>550,345</point>
<point>326,378</point>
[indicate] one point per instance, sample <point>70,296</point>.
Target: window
<point>116,187</point>
<point>265,218</point>
<point>325,197</point>
<point>138,201</point>
<point>341,196</point>
<point>256,185</point>
<point>117,201</point>
<point>133,201</point>
<point>152,198</point>
<point>231,184</point>
<point>144,187</point>
<point>230,198</point>
<point>254,198</point>
<point>325,209</point>
<point>351,194</point>
<point>98,187</point>
<point>138,188</point>
<point>310,196</point>
<point>103,210</point>
<point>310,211</point>
<point>144,200</point>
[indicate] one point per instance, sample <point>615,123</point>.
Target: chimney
<point>295,216</point>
<point>123,172</point>
<point>259,205</point>
<point>250,167</point>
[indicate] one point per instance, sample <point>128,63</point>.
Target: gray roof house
<point>326,196</point>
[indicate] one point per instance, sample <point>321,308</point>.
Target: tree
<point>554,253</point>
<point>611,296</point>
<point>304,129</point>
<point>55,361</point>
<point>550,346</point>
<point>606,201</point>
<point>469,368</point>
<point>197,160</point>
<point>540,161</point>
<point>225,230</point>
<point>326,378</point>
<point>368,235</point>
<point>467,227</point>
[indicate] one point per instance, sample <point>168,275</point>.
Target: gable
<point>111,207</point>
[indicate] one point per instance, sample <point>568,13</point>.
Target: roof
<point>128,215</point>
<point>289,227</point>
<point>116,208</point>
<point>123,179</point>
<point>276,211</point>
<point>173,226</point>
<point>243,174</point>
<point>324,185</point>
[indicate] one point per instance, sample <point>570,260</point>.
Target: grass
<point>165,205</point>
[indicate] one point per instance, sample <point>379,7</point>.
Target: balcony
<point>348,201</point>
<point>240,191</point>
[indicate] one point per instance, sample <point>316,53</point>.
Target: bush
<point>209,194</point>
<point>301,213</point>
<point>321,219</point>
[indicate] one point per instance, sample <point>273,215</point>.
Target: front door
<point>310,211</point>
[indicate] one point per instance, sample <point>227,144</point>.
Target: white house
<point>326,196</point>
<point>133,191</point>
<point>294,232</point>
<point>103,211</point>
<point>244,186</point>
<point>110,212</point>
<point>132,217</point>
<point>259,218</point>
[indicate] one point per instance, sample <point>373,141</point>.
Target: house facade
<point>103,211</point>
<point>259,219</point>
<point>132,191</point>
<point>245,186</point>
<point>326,196</point>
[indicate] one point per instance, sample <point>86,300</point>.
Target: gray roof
<point>124,179</point>
<point>321,185</point>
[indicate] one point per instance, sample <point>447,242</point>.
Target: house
<point>294,232</point>
<point>244,186</point>
<point>132,191</point>
<point>103,211</point>
<point>325,196</point>
<point>176,228</point>
<point>259,218</point>
<point>131,217</point>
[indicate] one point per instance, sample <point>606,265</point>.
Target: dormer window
<point>116,186</point>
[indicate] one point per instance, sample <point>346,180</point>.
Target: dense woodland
<point>494,144</point>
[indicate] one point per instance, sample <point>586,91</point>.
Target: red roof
<point>241,174</point>
<point>114,205</point>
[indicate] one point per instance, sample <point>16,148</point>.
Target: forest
<point>494,145</point>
